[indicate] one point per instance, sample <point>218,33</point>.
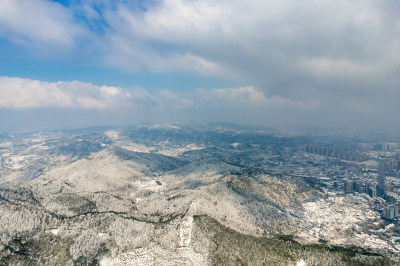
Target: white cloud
<point>253,97</point>
<point>298,54</point>
<point>267,43</point>
<point>240,37</point>
<point>244,96</point>
<point>37,22</point>
<point>336,68</point>
<point>175,100</point>
<point>19,93</point>
<point>248,97</point>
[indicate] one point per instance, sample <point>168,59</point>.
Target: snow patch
<point>112,134</point>
<point>301,263</point>
<point>235,144</point>
<point>54,231</point>
<point>186,231</point>
<point>155,255</point>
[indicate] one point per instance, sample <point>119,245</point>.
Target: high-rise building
<point>396,211</point>
<point>367,186</point>
<point>308,148</point>
<point>378,147</point>
<point>359,186</point>
<point>372,192</point>
<point>389,188</point>
<point>389,212</point>
<point>348,186</point>
<point>380,189</point>
<point>379,202</point>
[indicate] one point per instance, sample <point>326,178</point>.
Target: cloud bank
<point>338,57</point>
<point>20,93</point>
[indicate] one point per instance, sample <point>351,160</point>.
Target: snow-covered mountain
<point>160,195</point>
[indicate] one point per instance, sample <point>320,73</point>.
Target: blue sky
<point>274,63</point>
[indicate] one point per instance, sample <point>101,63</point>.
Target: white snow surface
<point>235,144</point>
<point>340,221</point>
<point>128,186</point>
<point>301,263</point>
<point>155,255</point>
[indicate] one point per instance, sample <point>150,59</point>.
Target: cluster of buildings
<point>386,146</point>
<point>344,153</point>
<point>390,151</point>
<point>382,196</point>
<point>378,194</point>
<point>353,167</point>
<point>360,187</point>
<point>390,212</point>
<point>378,203</point>
<point>392,166</point>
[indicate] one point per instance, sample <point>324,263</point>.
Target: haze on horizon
<point>272,63</point>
